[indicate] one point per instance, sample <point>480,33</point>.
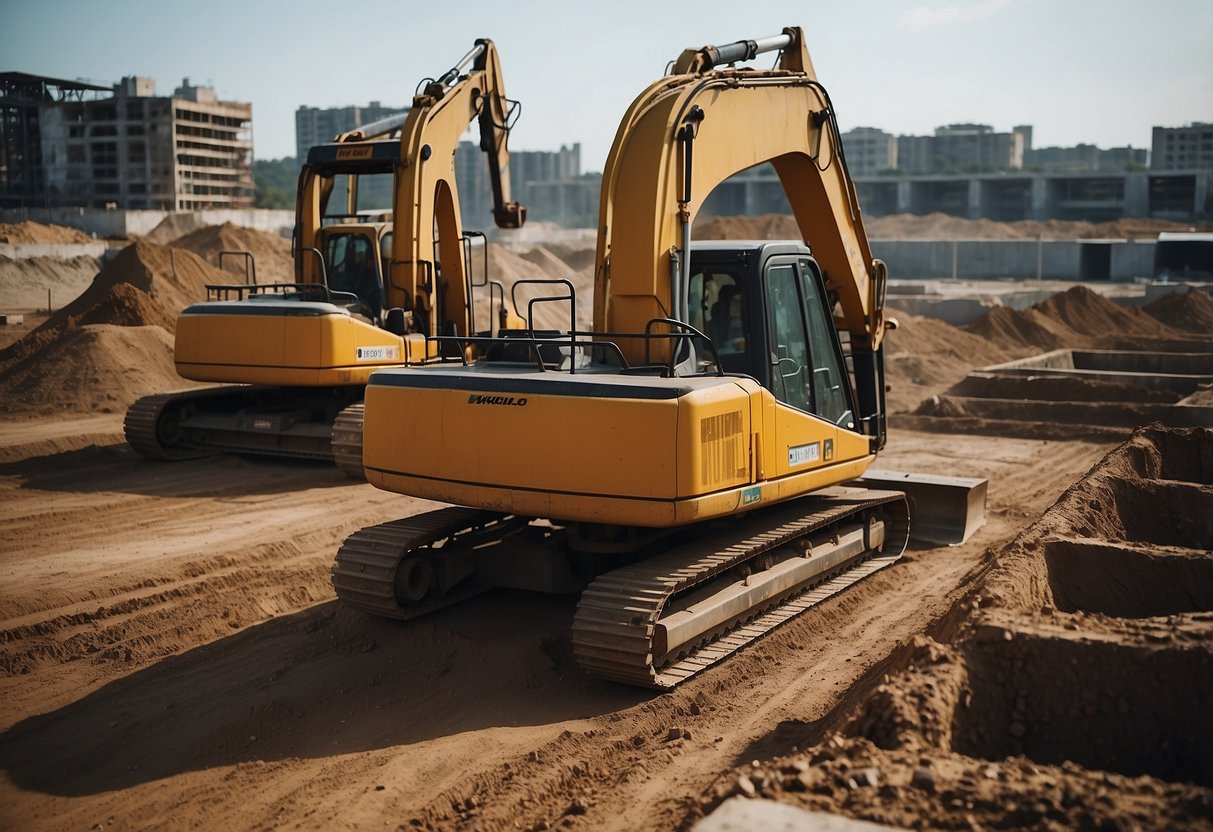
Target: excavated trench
<point>1136,709</point>
<point>1127,582</point>
<point>1100,388</point>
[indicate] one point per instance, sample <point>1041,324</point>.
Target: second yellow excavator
<point>371,286</point>
<point>687,465</point>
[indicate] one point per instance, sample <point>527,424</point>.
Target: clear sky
<point>1096,71</point>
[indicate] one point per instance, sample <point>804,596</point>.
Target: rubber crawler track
<point>614,627</point>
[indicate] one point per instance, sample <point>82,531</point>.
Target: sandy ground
<point>173,656</point>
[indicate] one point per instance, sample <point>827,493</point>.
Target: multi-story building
<point>528,170</point>
<point>134,149</point>
<point>315,125</point>
<point>1085,158</point>
<point>1183,148</point>
<point>869,151</point>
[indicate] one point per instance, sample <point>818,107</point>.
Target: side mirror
<point>394,322</point>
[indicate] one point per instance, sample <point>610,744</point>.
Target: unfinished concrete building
<point>1183,148</point>
<point>134,149</point>
<point>22,97</point>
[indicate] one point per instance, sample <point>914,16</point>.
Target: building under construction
<point>68,143</point>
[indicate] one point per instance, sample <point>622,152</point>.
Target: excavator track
<point>366,574</point>
<point>151,426</point>
<point>618,624</point>
<point>292,423</point>
<point>347,442</point>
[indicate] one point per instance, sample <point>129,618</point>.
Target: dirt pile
<point>89,368</point>
<point>271,254</point>
<point>925,356</point>
<point>113,343</point>
<point>1190,311</point>
<point>173,226</point>
<point>1068,689</point>
<point>577,257</point>
<point>33,232</point>
<point>936,227</point>
<point>24,281</point>
<point>174,278</point>
<point>539,263</point>
<point>1077,317</point>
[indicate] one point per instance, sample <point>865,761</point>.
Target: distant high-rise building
<point>973,147</point>
<point>126,147</point>
<point>528,168</point>
<point>1183,148</point>
<point>869,151</point>
<point>315,125</point>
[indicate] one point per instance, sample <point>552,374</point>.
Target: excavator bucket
<point>943,510</point>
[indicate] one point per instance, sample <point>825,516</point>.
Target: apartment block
<point>133,149</point>
<point>316,125</point>
<point>1183,148</point>
<point>869,151</point>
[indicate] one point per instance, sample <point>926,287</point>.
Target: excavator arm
<point>692,130</point>
<point>426,199</point>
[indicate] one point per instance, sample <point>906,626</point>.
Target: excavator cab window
<point>806,370</point>
<point>717,308</point>
<point>352,261</point>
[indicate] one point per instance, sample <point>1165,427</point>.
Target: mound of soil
<point>271,254</point>
<point>925,356</point>
<point>113,343</point>
<point>1077,317</point>
<point>1091,314</point>
<point>1019,330</point>
<point>1190,311</point>
<point>174,278</point>
<point>27,279</point>
<point>91,368</point>
<point>174,226</point>
<point>33,232</point>
<point>508,267</point>
<point>762,227</point>
<point>577,257</point>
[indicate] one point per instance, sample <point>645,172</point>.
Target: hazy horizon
<point>1102,74</point>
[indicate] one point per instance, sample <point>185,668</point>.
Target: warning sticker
<point>804,454</point>
<point>378,353</point>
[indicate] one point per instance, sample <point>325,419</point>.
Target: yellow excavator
<point>689,465</point>
<point>371,286</point>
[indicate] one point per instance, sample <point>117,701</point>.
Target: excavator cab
<point>769,317</point>
<point>355,276</point>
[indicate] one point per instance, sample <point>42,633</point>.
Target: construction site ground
<point>172,655</point>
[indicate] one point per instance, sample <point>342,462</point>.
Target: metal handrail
<point>249,262</point>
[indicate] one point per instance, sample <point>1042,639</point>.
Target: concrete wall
<point>122,224</point>
<point>1018,259</point>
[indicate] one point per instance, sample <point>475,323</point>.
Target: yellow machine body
<point>621,450</point>
<point>308,345</point>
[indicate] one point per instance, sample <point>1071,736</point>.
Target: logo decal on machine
<point>377,353</point>
<point>751,496</point>
<point>476,398</point>
<point>804,454</point>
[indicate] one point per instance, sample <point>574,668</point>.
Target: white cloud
<point>926,17</point>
